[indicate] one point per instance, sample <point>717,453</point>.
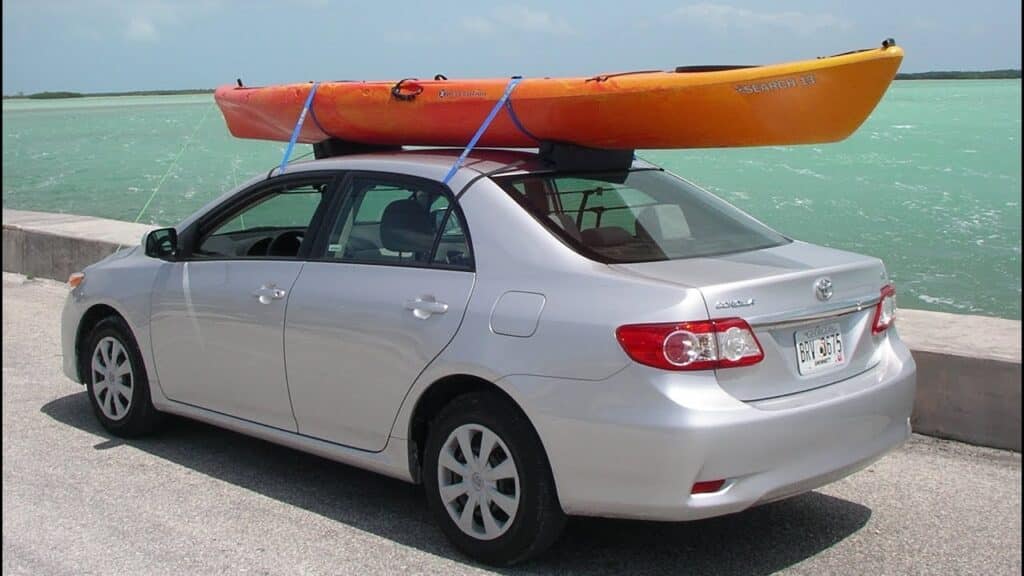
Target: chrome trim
<point>784,320</point>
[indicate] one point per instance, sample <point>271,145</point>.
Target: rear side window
<point>398,223</point>
<point>638,216</point>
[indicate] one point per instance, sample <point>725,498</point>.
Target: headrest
<point>606,236</point>
<point>565,222</point>
<point>663,222</point>
<point>536,194</point>
<point>406,226</point>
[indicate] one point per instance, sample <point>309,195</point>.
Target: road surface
<point>198,500</point>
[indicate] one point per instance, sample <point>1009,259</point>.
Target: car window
<point>453,245</point>
<point>371,209</point>
<point>400,224</point>
<point>273,225</point>
<point>638,216</point>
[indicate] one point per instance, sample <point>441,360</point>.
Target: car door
<point>218,313</point>
<point>386,296</point>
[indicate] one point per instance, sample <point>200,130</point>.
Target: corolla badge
<point>823,289</point>
<point>721,304</point>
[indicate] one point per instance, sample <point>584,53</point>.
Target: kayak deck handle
<point>406,89</point>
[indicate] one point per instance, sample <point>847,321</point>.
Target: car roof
<point>432,163</point>
<point>415,160</point>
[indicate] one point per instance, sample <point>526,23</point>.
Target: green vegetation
<point>960,75</point>
<point>51,95</point>
<point>62,94</point>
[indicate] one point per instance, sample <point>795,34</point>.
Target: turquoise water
<point>931,183</point>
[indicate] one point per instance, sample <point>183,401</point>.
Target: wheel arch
<point>434,398</point>
<point>93,316</point>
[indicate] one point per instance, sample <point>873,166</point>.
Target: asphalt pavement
<point>199,500</point>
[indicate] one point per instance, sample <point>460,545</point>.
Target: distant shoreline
<point>65,94</point>
<point>1005,74</point>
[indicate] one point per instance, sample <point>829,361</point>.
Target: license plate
<point>819,348</point>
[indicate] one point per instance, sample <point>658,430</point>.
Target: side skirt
<point>393,461</point>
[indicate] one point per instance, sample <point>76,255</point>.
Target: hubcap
<point>478,481</point>
<point>112,379</point>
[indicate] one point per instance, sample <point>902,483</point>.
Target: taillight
<point>703,345</point>
<point>885,311</point>
<point>707,487</point>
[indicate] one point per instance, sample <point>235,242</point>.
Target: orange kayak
<point>812,101</point>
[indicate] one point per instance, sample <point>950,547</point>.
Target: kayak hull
<point>807,102</point>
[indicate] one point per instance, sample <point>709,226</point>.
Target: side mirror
<point>162,243</point>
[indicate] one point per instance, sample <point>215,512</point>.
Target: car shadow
<point>762,540</point>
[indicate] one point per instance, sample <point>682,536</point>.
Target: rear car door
<point>388,293</point>
<point>218,314</point>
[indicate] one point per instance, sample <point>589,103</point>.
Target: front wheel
<point>488,481</point>
<point>116,381</point>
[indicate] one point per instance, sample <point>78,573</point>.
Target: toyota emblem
<point>823,289</point>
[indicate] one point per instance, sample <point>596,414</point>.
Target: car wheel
<point>488,481</point>
<point>115,378</point>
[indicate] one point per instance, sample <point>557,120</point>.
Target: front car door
<point>218,313</point>
<point>385,297</point>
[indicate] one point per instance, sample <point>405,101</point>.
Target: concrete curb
<point>969,388</point>
<point>55,245</point>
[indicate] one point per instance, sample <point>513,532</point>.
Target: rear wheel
<point>116,381</point>
<point>488,481</point>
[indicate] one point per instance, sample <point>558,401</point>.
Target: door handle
<point>268,293</point>
<point>425,306</point>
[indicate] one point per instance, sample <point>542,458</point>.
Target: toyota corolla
<point>529,340</point>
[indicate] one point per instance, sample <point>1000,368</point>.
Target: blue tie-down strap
<point>298,126</point>
<point>515,120</point>
<point>483,127</point>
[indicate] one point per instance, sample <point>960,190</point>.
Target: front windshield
<point>638,216</point>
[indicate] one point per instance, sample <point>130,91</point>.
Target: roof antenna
<point>239,80</point>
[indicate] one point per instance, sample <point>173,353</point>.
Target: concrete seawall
<point>969,377</point>
<point>55,245</point>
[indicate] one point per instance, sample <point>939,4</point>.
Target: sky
<point>112,45</point>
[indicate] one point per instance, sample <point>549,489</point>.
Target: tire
<point>516,532</point>
<point>116,382</point>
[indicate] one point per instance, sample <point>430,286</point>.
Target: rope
<point>300,157</point>
<point>234,179</point>
<point>298,126</point>
<point>483,127</point>
<point>173,164</point>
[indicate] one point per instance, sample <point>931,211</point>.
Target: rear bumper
<point>632,446</point>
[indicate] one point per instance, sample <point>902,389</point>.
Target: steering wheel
<point>286,243</point>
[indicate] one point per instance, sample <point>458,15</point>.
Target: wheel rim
<point>113,381</point>
<point>478,481</point>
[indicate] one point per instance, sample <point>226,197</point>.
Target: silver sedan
<point>527,341</point>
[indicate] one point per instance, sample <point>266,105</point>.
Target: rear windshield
<point>637,216</point>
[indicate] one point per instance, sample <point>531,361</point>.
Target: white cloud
<point>137,20</point>
<point>520,18</point>
<point>477,25</point>
<point>141,28</point>
<point>143,19</point>
<point>725,17</point>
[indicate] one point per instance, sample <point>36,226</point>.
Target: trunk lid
<point>775,291</point>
